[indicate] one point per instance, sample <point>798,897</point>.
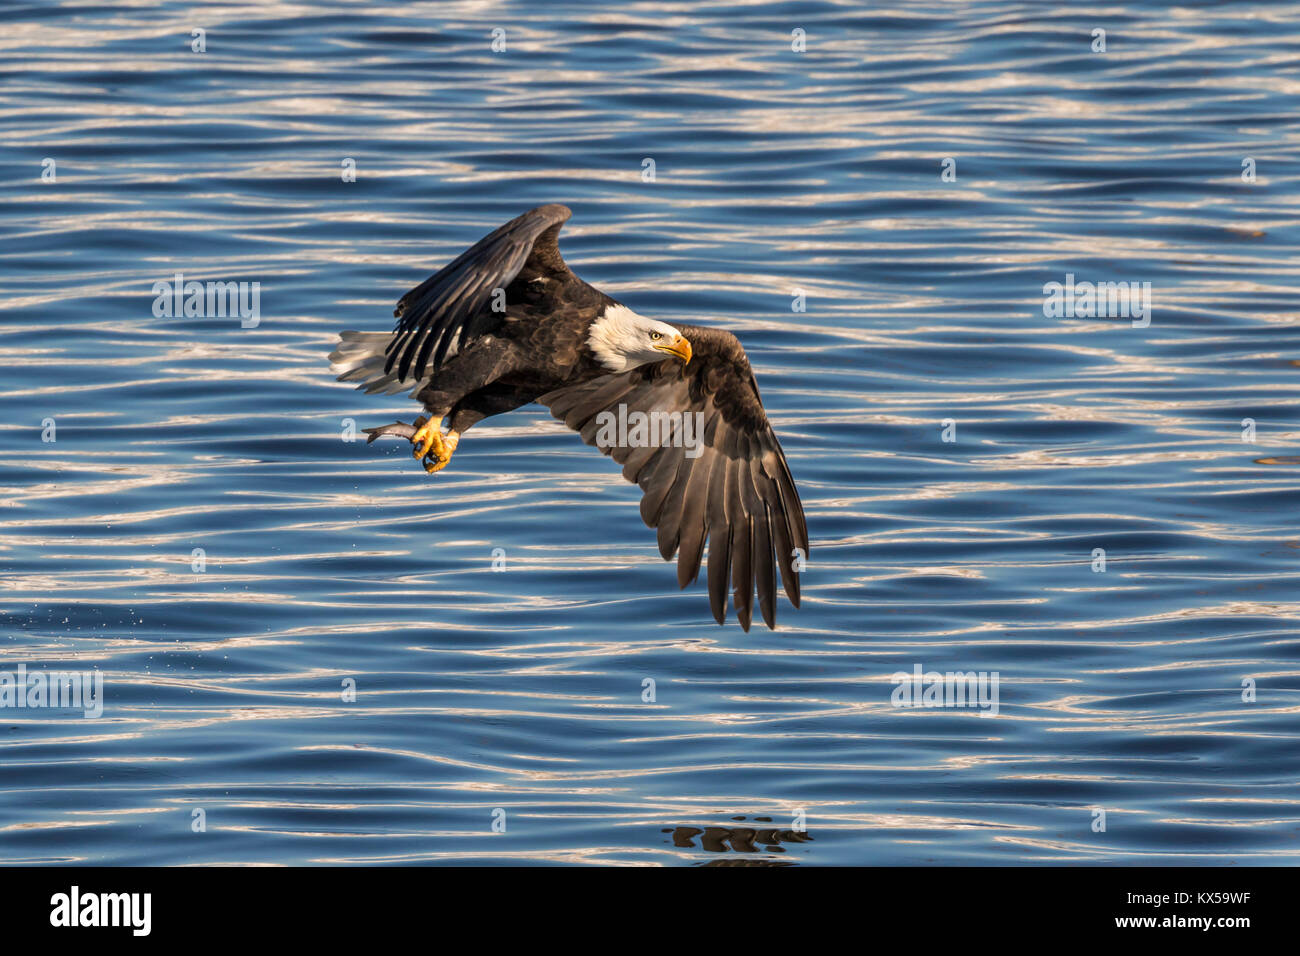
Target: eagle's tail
<point>360,358</point>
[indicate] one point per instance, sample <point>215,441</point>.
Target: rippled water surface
<point>330,561</point>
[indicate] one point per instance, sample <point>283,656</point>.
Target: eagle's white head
<point>621,339</point>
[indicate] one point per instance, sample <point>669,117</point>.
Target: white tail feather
<point>360,358</point>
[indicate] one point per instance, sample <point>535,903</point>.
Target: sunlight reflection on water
<point>327,561</point>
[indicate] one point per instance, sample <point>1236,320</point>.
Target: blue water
<point>328,561</point>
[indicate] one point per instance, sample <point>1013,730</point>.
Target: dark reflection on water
<point>722,839</point>
<point>326,562</point>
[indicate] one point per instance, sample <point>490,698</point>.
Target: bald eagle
<point>506,323</point>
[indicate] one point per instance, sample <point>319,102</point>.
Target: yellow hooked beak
<point>680,347</point>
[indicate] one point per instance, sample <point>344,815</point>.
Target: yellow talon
<point>438,462</point>
<point>428,435</point>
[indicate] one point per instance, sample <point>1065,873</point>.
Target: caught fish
<point>395,430</point>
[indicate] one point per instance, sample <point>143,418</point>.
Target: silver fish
<point>395,430</point>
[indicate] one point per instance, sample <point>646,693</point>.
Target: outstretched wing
<point>727,483</point>
<point>448,309</point>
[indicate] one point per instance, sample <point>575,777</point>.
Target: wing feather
<point>764,570</point>
<point>692,529</point>
<point>656,485</point>
<point>670,513</point>
<point>719,570</point>
<point>742,572</point>
<point>737,497</point>
<point>449,309</point>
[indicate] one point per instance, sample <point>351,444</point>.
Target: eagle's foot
<point>439,460</point>
<point>427,440</point>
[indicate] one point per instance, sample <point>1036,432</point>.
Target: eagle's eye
<point>656,336</point>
